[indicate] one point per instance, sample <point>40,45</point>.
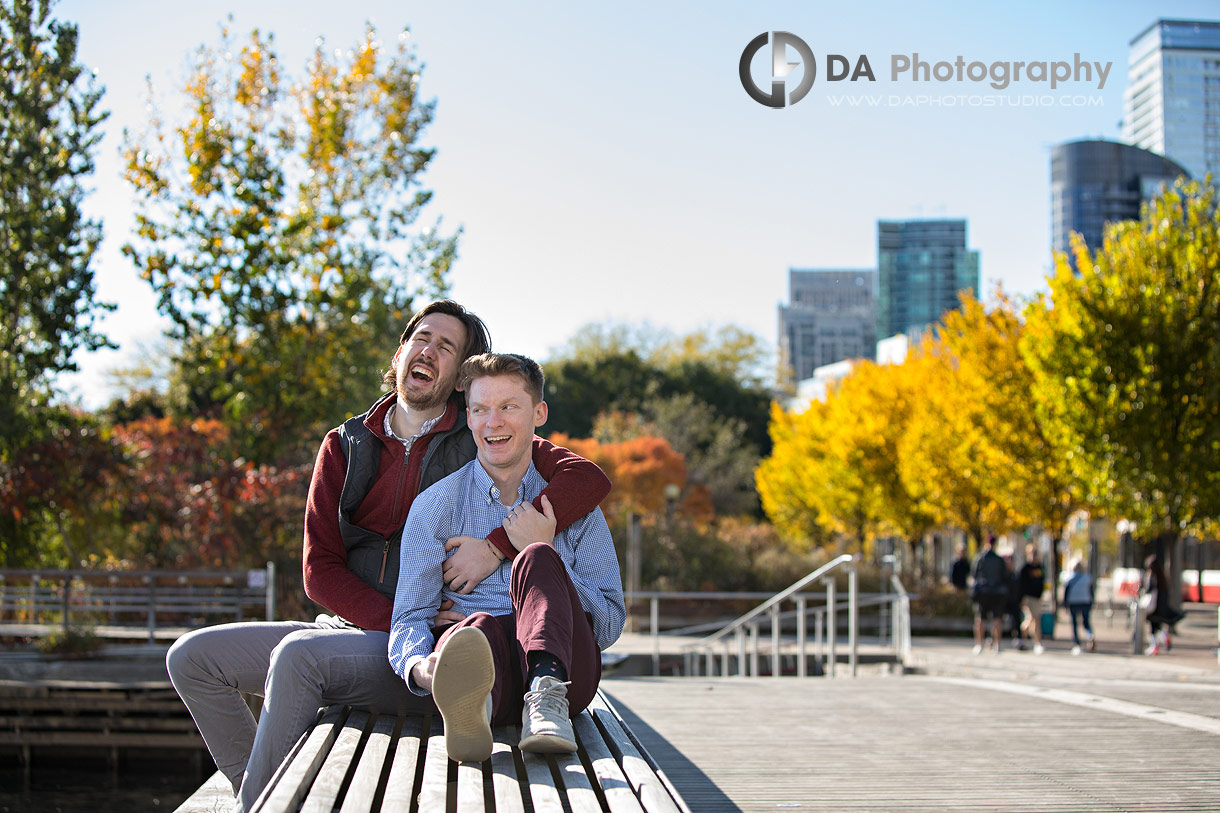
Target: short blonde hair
<point>486,365</point>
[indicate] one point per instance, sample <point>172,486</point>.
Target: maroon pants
<point>548,617</point>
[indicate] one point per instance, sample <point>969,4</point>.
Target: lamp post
<point>672,492</point>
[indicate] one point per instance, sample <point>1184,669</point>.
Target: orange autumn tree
<point>639,470</point>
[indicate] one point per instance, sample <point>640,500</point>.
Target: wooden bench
<point>351,761</point>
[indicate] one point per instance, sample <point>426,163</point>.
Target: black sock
<point>544,664</point>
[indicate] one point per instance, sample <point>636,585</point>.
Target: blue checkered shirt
<point>467,503</point>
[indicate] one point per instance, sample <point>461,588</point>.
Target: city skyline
<point>607,164</point>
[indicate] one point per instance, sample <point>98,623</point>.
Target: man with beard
<point>366,477</point>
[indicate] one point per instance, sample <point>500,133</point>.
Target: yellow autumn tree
<point>790,479</point>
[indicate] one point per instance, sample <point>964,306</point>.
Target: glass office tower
<point>829,317</point>
<point>1172,101</point>
<point>921,267</point>
<point>1098,182</point>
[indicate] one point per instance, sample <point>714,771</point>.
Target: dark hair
<point>495,364</point>
<point>478,340</point>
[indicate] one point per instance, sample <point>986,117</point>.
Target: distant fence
<point>128,602</point>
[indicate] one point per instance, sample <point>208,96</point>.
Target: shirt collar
<point>427,427</point>
<point>486,487</point>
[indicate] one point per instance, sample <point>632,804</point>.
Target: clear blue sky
<point>607,165</point>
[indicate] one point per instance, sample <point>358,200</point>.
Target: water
<point>77,790</point>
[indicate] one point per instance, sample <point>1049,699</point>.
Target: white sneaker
<point>978,648</point>
<point>1076,650</point>
<point>1039,649</point>
<point>461,687</point>
<point>546,727</point>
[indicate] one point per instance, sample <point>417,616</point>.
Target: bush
<point>71,643</point>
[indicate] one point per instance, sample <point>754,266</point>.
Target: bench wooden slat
<point>652,794</point>
<point>363,788</point>
<point>505,785</point>
<point>400,785</point>
<point>543,792</point>
<point>329,781</point>
<point>289,787</point>
<point>470,788</point>
<point>342,764</point>
<point>434,788</point>
<point>576,784</point>
<point>615,787</point>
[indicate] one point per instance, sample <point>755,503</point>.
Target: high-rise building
<point>829,317</point>
<point>1172,102</point>
<point>921,267</point>
<point>1098,182</point>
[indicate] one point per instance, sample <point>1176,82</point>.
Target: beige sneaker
<point>546,727</point>
<point>461,687</point>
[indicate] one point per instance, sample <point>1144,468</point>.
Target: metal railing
<point>40,601</point>
<point>747,627</point>
<point>901,633</point>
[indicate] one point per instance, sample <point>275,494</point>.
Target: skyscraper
<point>829,317</point>
<point>1098,182</point>
<point>921,266</point>
<point>1172,102</point>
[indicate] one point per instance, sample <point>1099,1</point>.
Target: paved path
<point>1012,731</point>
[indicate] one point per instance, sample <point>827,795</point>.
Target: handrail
<point>775,599</point>
<point>82,596</point>
<point>902,620</point>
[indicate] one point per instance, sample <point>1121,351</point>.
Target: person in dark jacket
<point>989,592</point>
<point>1161,613</point>
<point>366,477</point>
<point>959,571</point>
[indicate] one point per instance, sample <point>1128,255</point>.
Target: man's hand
<point>447,614</point>
<point>474,560</point>
<point>525,525</point>
<point>423,671</point>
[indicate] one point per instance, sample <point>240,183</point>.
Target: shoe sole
<point>460,686</point>
<point>547,744</point>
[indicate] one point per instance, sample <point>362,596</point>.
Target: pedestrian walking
<point>1155,599</point>
<point>989,592</point>
<point>1032,581</point>
<point>1078,597</point>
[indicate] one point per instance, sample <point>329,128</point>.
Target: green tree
<point>614,366</point>
<point>279,225</point>
<point>1126,363</point>
<point>49,120</point>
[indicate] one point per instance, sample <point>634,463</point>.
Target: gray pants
<point>297,667</point>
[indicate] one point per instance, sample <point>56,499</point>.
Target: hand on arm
<point>473,560</point>
<point>525,525</point>
<point>447,615</point>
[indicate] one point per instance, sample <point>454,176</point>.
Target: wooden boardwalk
<point>920,744</point>
<point>1012,731</point>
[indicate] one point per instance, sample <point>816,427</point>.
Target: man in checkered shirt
<point>530,644</point>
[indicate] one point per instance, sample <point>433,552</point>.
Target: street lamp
<point>672,492</point>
